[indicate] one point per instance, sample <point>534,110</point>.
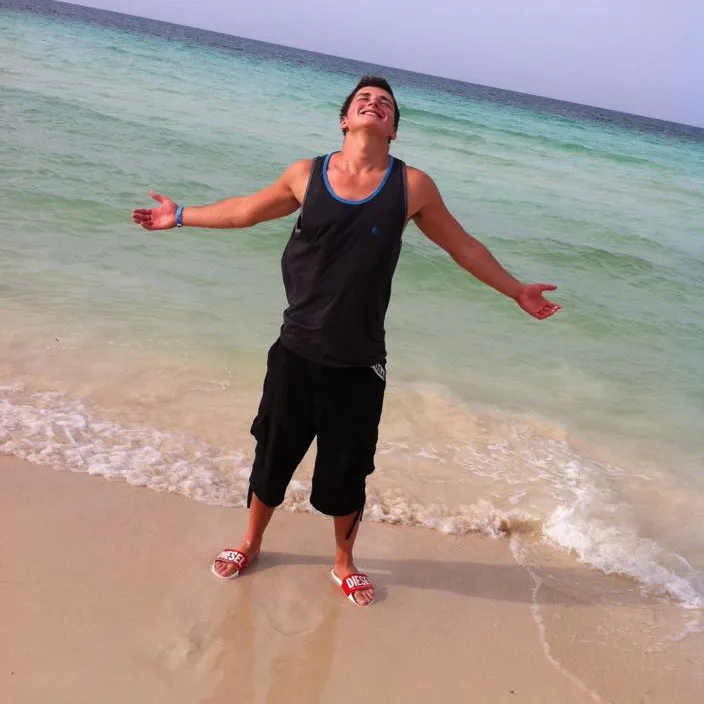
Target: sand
<point>107,597</point>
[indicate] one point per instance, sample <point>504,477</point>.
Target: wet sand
<point>107,596</point>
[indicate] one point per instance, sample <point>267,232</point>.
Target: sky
<point>639,56</point>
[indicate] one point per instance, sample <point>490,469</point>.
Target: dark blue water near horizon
<point>352,67</point>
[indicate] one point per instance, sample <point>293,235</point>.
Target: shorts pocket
<point>259,427</point>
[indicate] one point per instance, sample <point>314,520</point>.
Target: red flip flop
<point>352,584</point>
<point>232,557</point>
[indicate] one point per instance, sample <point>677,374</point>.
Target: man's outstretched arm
<point>279,199</point>
<point>436,222</point>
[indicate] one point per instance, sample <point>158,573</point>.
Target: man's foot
<point>355,584</point>
<point>234,562</point>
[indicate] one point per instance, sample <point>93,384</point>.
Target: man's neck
<point>364,152</point>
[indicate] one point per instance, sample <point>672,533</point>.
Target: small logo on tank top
<point>375,231</point>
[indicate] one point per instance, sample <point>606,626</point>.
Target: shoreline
<point>442,465</point>
<point>116,581</point>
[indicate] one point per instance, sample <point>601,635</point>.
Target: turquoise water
<point>140,355</point>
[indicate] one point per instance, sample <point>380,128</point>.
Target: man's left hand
<point>533,302</point>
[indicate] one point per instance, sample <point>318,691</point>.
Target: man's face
<point>371,108</point>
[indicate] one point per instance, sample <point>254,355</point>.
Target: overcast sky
<point>639,56</point>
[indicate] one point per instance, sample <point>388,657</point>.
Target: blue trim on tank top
<point>354,202</point>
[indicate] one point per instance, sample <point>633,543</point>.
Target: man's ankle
<point>251,544</point>
<point>344,563</point>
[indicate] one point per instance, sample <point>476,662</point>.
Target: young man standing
<point>326,372</point>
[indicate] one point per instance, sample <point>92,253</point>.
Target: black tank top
<point>337,269</point>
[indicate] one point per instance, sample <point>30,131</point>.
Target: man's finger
<point>547,287</point>
<point>158,197</point>
<point>546,311</point>
<point>552,309</point>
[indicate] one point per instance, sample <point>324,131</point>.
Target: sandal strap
<point>233,557</point>
<point>353,583</point>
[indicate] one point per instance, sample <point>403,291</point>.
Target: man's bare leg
<point>259,516</point>
<point>344,564</point>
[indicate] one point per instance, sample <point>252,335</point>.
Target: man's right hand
<point>281,198</point>
<point>161,218</point>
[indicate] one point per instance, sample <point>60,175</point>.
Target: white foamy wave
<point>581,513</point>
<point>603,534</point>
<point>48,428</point>
<point>481,516</point>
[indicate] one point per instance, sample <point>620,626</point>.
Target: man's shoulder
<point>422,190</point>
<point>417,179</point>
<point>301,167</point>
<point>296,176</point>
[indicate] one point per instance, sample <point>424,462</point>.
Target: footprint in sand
<point>187,649</point>
<point>293,601</point>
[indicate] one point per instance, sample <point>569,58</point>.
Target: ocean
<point>139,356</point>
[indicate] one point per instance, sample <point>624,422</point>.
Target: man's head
<point>371,105</point>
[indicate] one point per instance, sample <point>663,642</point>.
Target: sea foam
<point>50,428</point>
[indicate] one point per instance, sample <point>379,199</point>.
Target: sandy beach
<point>107,597</point>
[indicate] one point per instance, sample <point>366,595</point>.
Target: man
<point>326,372</point>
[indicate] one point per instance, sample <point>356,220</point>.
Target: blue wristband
<point>179,216</point>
